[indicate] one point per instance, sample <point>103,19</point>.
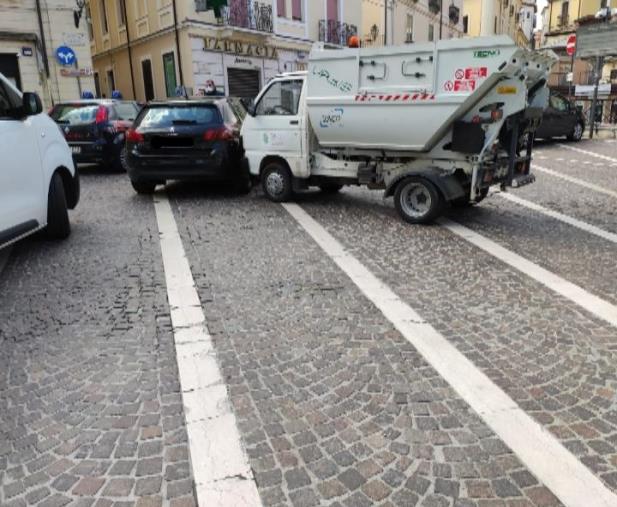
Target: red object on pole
<point>571,45</point>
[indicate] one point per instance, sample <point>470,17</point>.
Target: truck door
<point>277,127</point>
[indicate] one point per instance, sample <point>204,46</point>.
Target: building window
<point>563,18</point>
<point>603,4</point>
<point>89,23</point>
<point>169,70</point>
<point>409,28</point>
<point>97,85</point>
<point>121,8</point>
<point>104,24</point>
<point>142,8</point>
<point>296,10</point>
<point>281,8</point>
<point>465,24</point>
<point>431,33</point>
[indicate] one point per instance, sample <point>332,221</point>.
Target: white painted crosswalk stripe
<point>591,229</point>
<point>578,181</point>
<point>571,481</point>
<point>590,302</point>
<point>221,470</point>
<point>587,152</point>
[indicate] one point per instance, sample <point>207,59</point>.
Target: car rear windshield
<point>74,114</point>
<point>126,111</point>
<point>169,116</point>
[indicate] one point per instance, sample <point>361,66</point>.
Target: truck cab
<point>275,129</point>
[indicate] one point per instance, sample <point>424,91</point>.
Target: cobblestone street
<point>334,403</point>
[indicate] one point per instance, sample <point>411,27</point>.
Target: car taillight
<point>218,134</point>
<point>101,115</point>
<point>133,136</point>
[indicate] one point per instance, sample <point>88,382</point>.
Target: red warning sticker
<point>448,86</point>
<point>464,86</point>
<point>475,73</point>
<point>459,74</point>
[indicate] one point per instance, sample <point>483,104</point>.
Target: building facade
<point>515,18</point>
<point>574,76</point>
<point>146,49</point>
<point>410,21</point>
<point>41,50</point>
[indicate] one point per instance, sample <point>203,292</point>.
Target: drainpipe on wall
<point>178,44</point>
<point>128,45</point>
<point>43,43</point>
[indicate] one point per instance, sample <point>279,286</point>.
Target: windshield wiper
<point>184,122</point>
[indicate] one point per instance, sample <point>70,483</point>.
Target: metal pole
<point>440,17</point>
<point>572,80</point>
<point>592,120</point>
<point>385,23</point>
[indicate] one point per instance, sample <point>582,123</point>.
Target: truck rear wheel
<point>417,201</point>
<point>276,182</point>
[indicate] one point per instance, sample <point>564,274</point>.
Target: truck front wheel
<point>417,201</point>
<point>276,182</point>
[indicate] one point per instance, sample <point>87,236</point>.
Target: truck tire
<point>58,225</point>
<point>143,187</point>
<point>276,182</point>
<point>330,188</point>
<point>417,201</point>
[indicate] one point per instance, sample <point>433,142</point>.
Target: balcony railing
<point>579,78</point>
<point>336,32</point>
<point>250,15</point>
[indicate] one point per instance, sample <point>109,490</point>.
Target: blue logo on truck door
<point>333,118</point>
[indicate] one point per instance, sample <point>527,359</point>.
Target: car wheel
<point>417,201</point>
<point>122,163</point>
<point>143,187</point>
<point>330,188</point>
<point>577,133</point>
<point>58,225</point>
<point>276,182</point>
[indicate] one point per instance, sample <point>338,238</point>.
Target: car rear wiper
<point>184,122</point>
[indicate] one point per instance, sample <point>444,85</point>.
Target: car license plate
<point>76,149</point>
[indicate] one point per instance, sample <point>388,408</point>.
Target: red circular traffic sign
<point>571,45</point>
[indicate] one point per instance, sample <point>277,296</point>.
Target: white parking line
<point>220,466</point>
<point>578,181</point>
<point>590,153</point>
<point>592,229</point>
<point>593,304</point>
<point>571,481</point>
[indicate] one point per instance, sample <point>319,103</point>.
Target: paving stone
<point>88,486</point>
<point>297,478</point>
<point>351,479</point>
<point>118,487</point>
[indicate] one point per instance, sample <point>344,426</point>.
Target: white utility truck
<point>429,123</point>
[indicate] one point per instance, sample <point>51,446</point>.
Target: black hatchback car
<point>561,119</point>
<point>186,140</point>
<point>95,129</point>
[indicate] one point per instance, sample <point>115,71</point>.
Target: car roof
<point>186,102</point>
<point>86,102</point>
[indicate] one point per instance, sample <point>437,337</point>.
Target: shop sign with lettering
<point>240,48</point>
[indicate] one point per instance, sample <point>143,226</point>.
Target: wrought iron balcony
<point>250,15</point>
<point>434,6</point>
<point>454,14</point>
<point>336,32</point>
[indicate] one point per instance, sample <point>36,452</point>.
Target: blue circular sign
<point>65,55</point>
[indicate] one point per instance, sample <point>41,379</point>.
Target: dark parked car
<point>95,129</point>
<point>561,118</point>
<point>186,140</point>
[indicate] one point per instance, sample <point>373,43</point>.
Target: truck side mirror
<point>249,106</point>
<point>31,104</point>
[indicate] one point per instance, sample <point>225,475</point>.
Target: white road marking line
<point>220,466</point>
<point>590,153</point>
<point>592,229</point>
<point>571,481</point>
<point>578,181</point>
<point>593,304</point>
